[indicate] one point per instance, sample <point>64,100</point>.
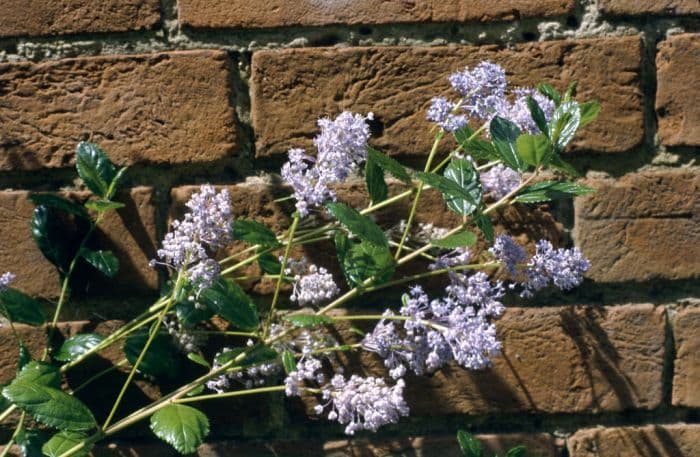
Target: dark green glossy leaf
<point>485,225</point>
<point>21,308</point>
<point>114,185</point>
<point>518,451</point>
<point>289,362</point>
<point>549,92</point>
<point>448,187</point>
<point>551,190</point>
<point>389,165</point>
<point>254,232</point>
<point>181,426</point>
<point>102,206</point>
<point>94,168</point>
<point>104,261</point>
<point>374,178</point>
<point>50,406</point>
<point>228,300</point>
<point>537,115</point>
<point>78,345</point>
<point>189,314</point>
<point>504,134</point>
<point>457,240</point>
<point>564,123</point>
<point>269,264</point>
<point>360,225</point>
<point>41,373</point>
<point>470,446</point>
<point>63,442</point>
<point>463,174</point>
<point>258,354</point>
<point>60,203</point>
<point>558,163</point>
<point>534,149</point>
<point>30,442</point>
<point>198,359</point>
<point>308,320</point>
<point>476,147</point>
<point>589,113</point>
<point>570,91</point>
<point>161,359</point>
<point>361,261</point>
<point>44,231</point>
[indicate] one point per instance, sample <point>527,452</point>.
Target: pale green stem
<point>237,393</point>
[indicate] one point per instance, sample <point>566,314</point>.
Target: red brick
<point>58,17</point>
<point>687,365</point>
<point>663,7</point>
<point>673,440</point>
<point>169,108</point>
<point>278,13</point>
<point>292,88</point>
<point>641,226</point>
<point>129,232</point>
<point>678,67</point>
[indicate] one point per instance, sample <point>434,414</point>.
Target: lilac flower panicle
<point>519,112</point>
<point>5,280</point>
<point>499,181</point>
<point>453,258</point>
<point>308,369</point>
<point>304,178</point>
<point>440,112</point>
<point>315,287</point>
<point>482,88</point>
<point>508,252</point>
<point>562,267</point>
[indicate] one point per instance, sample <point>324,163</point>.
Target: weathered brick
<point>687,365</point>
<point>292,88</point>
<point>641,227</point>
<point>673,440</point>
<point>130,232</point>
<point>167,108</point>
<point>278,13</point>
<point>37,17</point>
<point>663,7</point>
<point>678,66</point>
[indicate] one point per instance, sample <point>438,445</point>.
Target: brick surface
<point>687,365</point>
<point>663,7</point>
<point>675,440</point>
<point>130,233</point>
<point>38,17</point>
<point>641,227</point>
<point>292,88</point>
<point>678,67</point>
<point>165,108</point>
<point>280,13</point>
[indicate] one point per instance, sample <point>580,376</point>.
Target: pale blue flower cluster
<point>312,284</point>
<point>441,112</point>
<point>562,267</point>
<point>499,181</point>
<point>508,253</point>
<point>341,146</point>
<point>481,88</point>
<point>5,280</point>
<point>308,369</point>
<point>207,225</point>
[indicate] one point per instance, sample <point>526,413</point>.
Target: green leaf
<point>485,225</point>
<point>50,406</point>
<point>564,123</point>
<point>457,240</point>
<point>308,320</point>
<point>361,261</point>
<point>114,185</point>
<point>537,115</point>
<point>41,373</point>
<point>102,206</point>
<point>518,451</point>
<point>463,174</point>
<point>198,359</point>
<point>450,189</point>
<point>358,224</point>
<point>21,308</point>
<point>24,357</point>
<point>374,178</point>
<point>63,442</point>
<point>470,446</point>
<point>289,362</point>
<point>476,147</point>
<point>60,203</point>
<point>228,300</point>
<point>391,166</point>
<point>533,149</point>
<point>589,113</point>
<point>44,232</point>
<point>549,92</point>
<point>254,232</point>
<point>558,163</point>
<point>504,134</point>
<point>30,442</point>
<point>259,354</point>
<point>104,261</point>
<point>269,264</point>
<point>161,359</point>
<point>189,315</point>
<point>551,190</point>
<point>181,426</point>
<point>570,91</point>
<point>94,168</point>
<point>78,345</point>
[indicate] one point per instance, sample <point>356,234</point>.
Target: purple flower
<point>308,369</point>
<point>456,257</point>
<point>499,181</point>
<point>5,280</point>
<point>314,287</point>
<point>304,178</point>
<point>482,88</point>
<point>562,267</point>
<point>508,252</point>
<point>520,111</point>
<point>440,112</point>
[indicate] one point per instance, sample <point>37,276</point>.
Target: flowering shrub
<point>505,140</point>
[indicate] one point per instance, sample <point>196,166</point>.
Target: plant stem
<point>237,393</point>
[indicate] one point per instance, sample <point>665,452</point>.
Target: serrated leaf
<point>259,354</point>
<point>198,359</point>
<point>289,362</point>
<point>40,373</point>
<point>63,442</point>
<point>363,260</point>
<point>374,178</point>
<point>565,121</point>
<point>94,168</point>
<point>50,406</point>
<point>391,166</point>
<point>78,345</point>
<point>358,224</point>
<point>463,174</point>
<point>269,264</point>
<point>476,147</point>
<point>161,359</point>
<point>469,445</point>
<point>537,115</point>
<point>44,231</point>
<point>19,307</point>
<point>589,112</point>
<point>30,442</point>
<point>60,203</point>
<point>104,261</point>
<point>228,300</point>
<point>189,315</point>
<point>181,426</point>
<point>551,190</point>
<point>449,189</point>
<point>504,134</point>
<point>102,206</point>
<point>518,451</point>
<point>308,320</point>
<point>457,240</point>
<point>254,232</point>
<point>533,149</point>
<point>549,92</point>
<point>485,225</point>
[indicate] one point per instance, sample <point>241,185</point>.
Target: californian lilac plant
<point>505,139</point>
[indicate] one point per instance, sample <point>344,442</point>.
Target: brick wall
<point>193,91</point>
